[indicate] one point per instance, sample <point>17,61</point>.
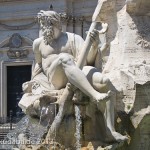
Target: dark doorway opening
<point>16,76</point>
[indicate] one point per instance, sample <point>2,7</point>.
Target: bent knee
<point>105,80</point>
<point>65,58</point>
<point>102,84</point>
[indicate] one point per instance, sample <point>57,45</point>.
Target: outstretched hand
<point>94,37</point>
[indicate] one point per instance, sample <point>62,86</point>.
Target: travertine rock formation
<point>129,64</point>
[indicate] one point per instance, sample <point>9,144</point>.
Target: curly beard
<point>48,34</point>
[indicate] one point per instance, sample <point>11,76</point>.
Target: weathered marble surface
<point>128,70</point>
<point>129,54</point>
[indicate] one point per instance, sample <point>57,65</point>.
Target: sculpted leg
<point>108,108</point>
<point>109,117</point>
<point>78,79</point>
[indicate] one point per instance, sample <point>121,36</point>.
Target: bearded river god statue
<point>72,99</point>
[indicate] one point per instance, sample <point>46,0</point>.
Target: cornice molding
<point>64,17</point>
<point>5,49</point>
<point>2,1</point>
<point>71,19</point>
<point>20,27</point>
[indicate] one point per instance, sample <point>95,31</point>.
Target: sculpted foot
<point>101,100</point>
<point>103,97</point>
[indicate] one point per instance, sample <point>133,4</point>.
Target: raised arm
<point>95,49</point>
<point>94,35</point>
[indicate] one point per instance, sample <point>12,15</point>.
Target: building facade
<point>19,28</point>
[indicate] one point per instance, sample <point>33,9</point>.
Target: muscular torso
<point>49,53</point>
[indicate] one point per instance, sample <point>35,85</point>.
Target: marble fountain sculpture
<point>72,102</point>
